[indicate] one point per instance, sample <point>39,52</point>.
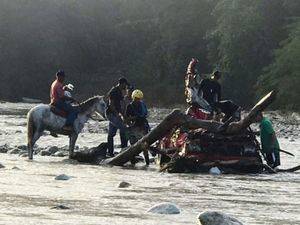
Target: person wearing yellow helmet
<point>136,114</point>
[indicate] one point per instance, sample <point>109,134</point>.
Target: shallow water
<point>28,193</point>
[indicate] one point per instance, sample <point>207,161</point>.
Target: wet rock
<point>164,208</point>
<point>124,184</point>
<point>53,150</point>
<point>18,131</point>
<point>15,168</point>
<point>59,154</point>
<point>292,140</point>
<point>22,147</point>
<point>217,218</point>
<point>45,153</point>
<point>62,177</point>
<point>215,171</point>
<point>60,207</point>
<point>4,148</point>
<point>14,151</point>
<point>1,166</point>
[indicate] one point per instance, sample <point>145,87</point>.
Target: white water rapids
<point>28,192</point>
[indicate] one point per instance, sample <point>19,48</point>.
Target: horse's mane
<point>88,103</point>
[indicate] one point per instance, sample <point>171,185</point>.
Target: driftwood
<point>173,120</point>
<point>178,119</point>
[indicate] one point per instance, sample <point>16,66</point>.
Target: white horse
<point>41,118</point>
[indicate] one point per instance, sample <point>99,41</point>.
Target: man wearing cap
<point>115,115</point>
<point>61,101</point>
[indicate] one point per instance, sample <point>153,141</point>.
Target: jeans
<point>71,111</point>
<point>116,123</point>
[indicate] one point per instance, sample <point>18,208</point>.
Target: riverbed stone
<point>4,148</point>
<point>53,150</point>
<point>62,177</point>
<point>164,208</point>
<point>45,153</point>
<point>217,218</point>
<point>59,154</point>
<point>22,147</point>
<point>1,166</point>
<point>60,207</point>
<point>215,171</point>
<point>124,184</point>
<point>14,151</point>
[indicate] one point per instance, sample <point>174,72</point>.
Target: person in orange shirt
<point>63,102</point>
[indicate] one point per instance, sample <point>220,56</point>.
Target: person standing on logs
<point>210,90</point>
<point>269,143</point>
<point>115,115</point>
<point>136,116</point>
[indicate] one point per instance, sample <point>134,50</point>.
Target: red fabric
<point>198,113</point>
<point>56,92</point>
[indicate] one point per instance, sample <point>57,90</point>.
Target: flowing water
<point>28,190</point>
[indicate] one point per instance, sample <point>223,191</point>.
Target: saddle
<point>57,111</point>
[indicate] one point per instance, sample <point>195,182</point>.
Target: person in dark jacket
<point>210,90</point>
<point>115,115</point>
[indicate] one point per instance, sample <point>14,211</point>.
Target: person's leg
<point>112,130</point>
<point>270,157</point>
<point>72,114</point>
<point>119,124</point>
<point>277,158</point>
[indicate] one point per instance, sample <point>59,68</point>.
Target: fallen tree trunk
<point>173,120</point>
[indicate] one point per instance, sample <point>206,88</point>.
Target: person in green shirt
<point>269,143</point>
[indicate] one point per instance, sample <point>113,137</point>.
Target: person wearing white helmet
<point>136,116</point>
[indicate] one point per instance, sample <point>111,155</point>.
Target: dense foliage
<point>254,42</point>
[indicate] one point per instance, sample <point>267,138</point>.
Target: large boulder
<point>217,218</point>
<point>164,208</point>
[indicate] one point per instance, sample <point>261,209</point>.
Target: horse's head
<point>101,106</point>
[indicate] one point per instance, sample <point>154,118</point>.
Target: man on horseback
<point>62,101</point>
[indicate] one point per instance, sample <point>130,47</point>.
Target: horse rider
<point>136,118</point>
<point>210,90</point>
<point>63,102</point>
<point>115,115</point>
<point>270,146</point>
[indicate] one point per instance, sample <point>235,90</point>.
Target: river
<point>28,190</point>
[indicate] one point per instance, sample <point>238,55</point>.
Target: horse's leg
<point>34,139</point>
<point>73,138</point>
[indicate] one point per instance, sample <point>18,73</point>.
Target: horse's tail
<point>30,128</point>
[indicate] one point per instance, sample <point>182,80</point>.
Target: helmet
<point>70,87</point>
<point>137,94</point>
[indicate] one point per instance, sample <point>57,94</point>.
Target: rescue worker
<point>136,114</point>
<point>115,115</point>
<point>63,102</point>
<point>210,90</point>
<point>269,143</point>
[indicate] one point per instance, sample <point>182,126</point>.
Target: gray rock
<point>45,153</point>
<point>59,154</point>
<point>60,207</point>
<point>217,218</point>
<point>15,168</point>
<point>53,150</point>
<point>4,148</point>
<point>124,184</point>
<point>14,151</point>
<point>24,154</point>
<point>22,147</point>
<point>164,208</point>
<point>1,166</point>
<point>215,171</point>
<point>62,177</point>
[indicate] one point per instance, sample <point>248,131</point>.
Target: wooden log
<point>236,127</point>
<point>173,120</point>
